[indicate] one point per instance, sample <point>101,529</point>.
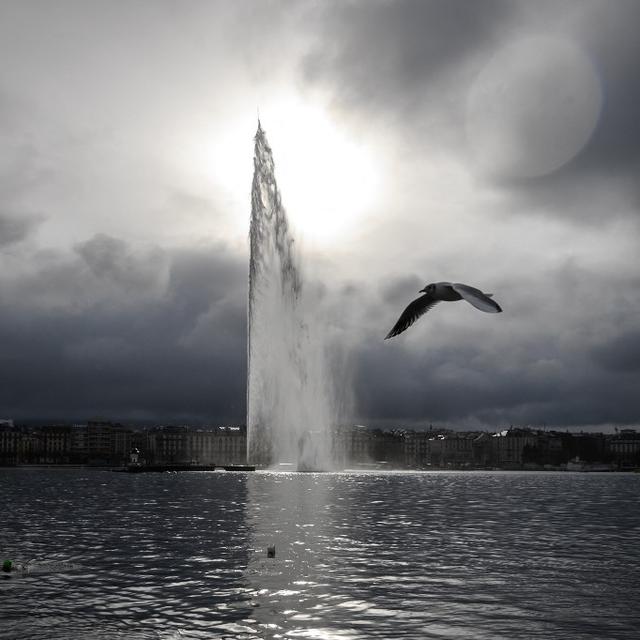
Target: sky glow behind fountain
<point>289,408</point>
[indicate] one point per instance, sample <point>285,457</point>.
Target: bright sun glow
<point>328,180</point>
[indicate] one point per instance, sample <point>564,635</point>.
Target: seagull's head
<point>428,289</point>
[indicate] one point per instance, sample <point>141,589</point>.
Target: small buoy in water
<point>271,551</point>
<point>7,566</point>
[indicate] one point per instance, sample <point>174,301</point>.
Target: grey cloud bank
<point>123,279</point>
<point>106,332</point>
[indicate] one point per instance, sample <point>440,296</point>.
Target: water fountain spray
<point>289,408</point>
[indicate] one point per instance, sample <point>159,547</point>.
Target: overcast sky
<point>490,142</point>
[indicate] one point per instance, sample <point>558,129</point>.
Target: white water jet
<point>289,408</point>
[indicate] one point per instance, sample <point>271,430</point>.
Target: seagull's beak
<point>422,291</point>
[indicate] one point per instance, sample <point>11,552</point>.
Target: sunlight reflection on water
<point>424,555</point>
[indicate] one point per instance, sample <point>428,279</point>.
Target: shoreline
<point>161,468</point>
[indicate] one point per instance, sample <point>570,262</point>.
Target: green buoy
<point>7,565</point>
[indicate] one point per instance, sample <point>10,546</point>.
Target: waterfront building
<point>9,442</point>
<point>100,442</point>
<point>388,446</point>
<point>453,449</point>
<point>353,444</point>
<point>29,447</point>
<point>170,445</point>
<point>79,447</point>
<point>507,446</point>
<point>55,445</point>
<point>417,449</point>
<point>183,445</point>
<point>625,448</point>
<point>229,445</point>
<point>121,444</point>
<point>481,447</point>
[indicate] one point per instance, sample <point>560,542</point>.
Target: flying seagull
<point>439,292</point>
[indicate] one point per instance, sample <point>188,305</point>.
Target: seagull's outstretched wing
<point>475,297</point>
<point>418,307</point>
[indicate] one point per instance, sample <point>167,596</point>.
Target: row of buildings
<point>109,444</point>
<point>513,448</point>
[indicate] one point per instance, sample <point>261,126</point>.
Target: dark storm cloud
<point>610,162</point>
<point>612,39</point>
<point>111,260</point>
<point>574,365</point>
<point>466,386</point>
<point>15,228</point>
<point>128,334</point>
<point>391,55</point>
<point>621,353</point>
<point>411,65</point>
<point>125,334</point>
<point>394,291</point>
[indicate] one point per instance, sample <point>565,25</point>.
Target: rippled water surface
<point>397,555</point>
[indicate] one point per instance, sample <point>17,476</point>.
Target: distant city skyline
<point>112,444</point>
<point>416,141</point>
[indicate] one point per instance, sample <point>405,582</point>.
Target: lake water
<point>397,555</point>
